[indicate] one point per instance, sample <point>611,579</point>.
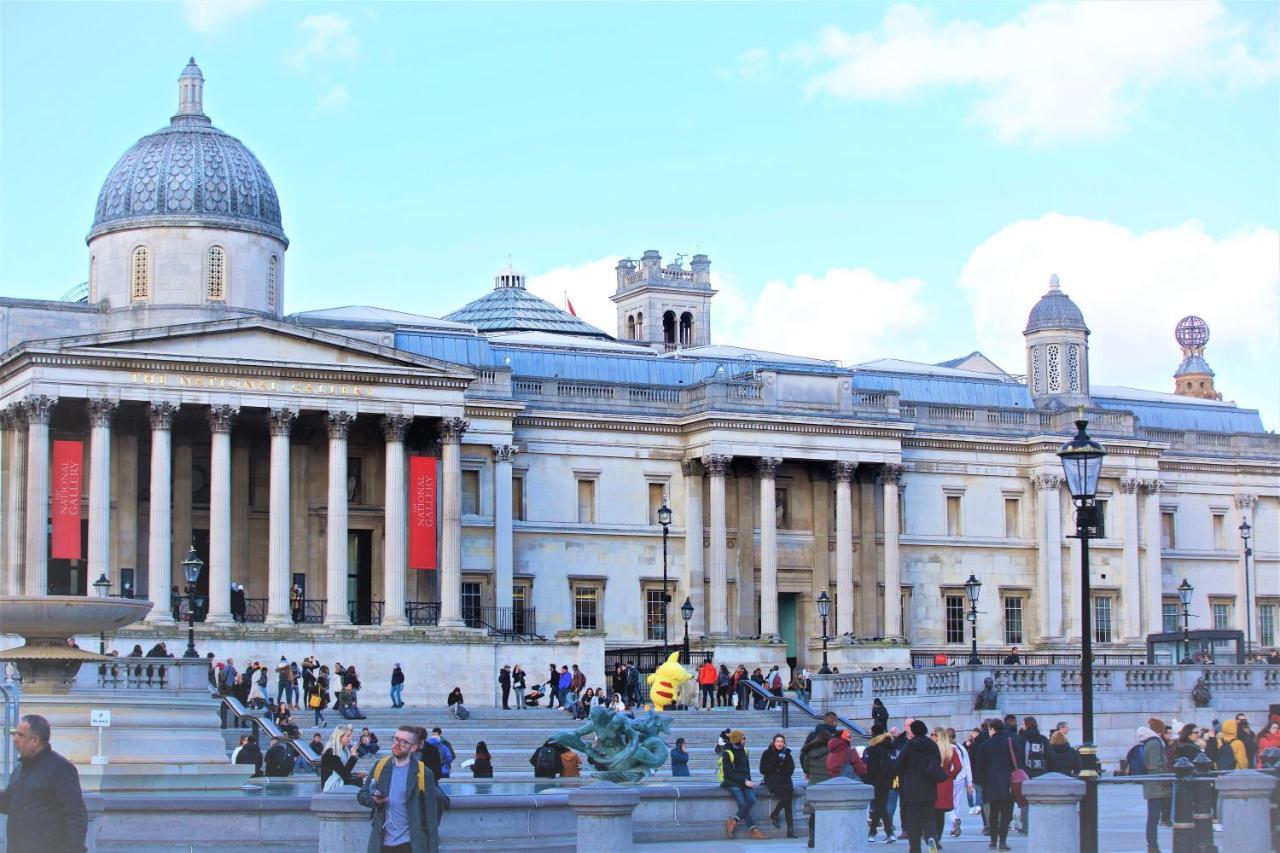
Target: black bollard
<point>1183,823</point>
<point>1202,797</point>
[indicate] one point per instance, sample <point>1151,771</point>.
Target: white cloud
<point>851,315</point>
<point>334,100</point>
<point>1057,71</point>
<point>322,40</point>
<point>588,286</point>
<point>1133,287</point>
<point>212,16</point>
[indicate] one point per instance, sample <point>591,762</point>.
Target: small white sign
<point>99,718</point>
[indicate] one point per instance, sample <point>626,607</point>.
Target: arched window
<point>631,327</point>
<point>669,327</point>
<point>140,275</point>
<point>639,326</point>
<point>686,329</point>
<point>216,275</point>
<point>273,274</point>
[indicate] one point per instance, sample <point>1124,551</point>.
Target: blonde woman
<point>961,787</point>
<point>945,801</point>
<point>337,764</point>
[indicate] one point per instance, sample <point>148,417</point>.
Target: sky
<point>869,180</point>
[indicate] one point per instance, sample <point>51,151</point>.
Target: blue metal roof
<point>1191,416</point>
<point>941,389</point>
<point>510,309</point>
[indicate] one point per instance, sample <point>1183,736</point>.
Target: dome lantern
<point>190,94</point>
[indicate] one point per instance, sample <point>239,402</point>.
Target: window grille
<point>217,283</point>
<point>140,289</point>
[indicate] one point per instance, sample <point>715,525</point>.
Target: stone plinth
<point>604,815</point>
<point>343,823</point>
<point>840,814</point>
<point>1244,797</point>
<point>1055,800</point>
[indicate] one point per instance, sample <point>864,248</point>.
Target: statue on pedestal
<point>621,747</point>
<point>988,698</point>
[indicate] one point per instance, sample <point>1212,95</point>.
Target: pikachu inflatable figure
<point>664,684</point>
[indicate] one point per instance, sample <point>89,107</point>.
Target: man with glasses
<point>43,801</point>
<point>402,793</point>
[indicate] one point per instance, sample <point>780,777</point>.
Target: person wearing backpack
<point>734,774</point>
<point>1231,751</point>
<point>1157,794</point>
<point>406,802</point>
<point>1034,748</point>
<point>546,761</point>
<point>878,757</point>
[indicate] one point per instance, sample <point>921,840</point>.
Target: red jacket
<point>707,673</point>
<point>946,799</point>
<point>839,754</point>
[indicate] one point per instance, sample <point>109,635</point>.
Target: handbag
<point>313,701</point>
<point>333,784</point>
<point>1016,778</point>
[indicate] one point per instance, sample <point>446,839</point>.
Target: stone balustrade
<point>149,675</point>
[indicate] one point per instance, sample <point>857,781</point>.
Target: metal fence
<point>925,658</point>
<point>422,612</point>
<point>646,658</point>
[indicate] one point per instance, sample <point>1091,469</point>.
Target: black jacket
<point>1063,759</point>
<point>919,768</point>
<point>777,768</point>
<point>278,761</point>
<point>1033,748</point>
<point>250,753</point>
<point>880,715</point>
<point>878,757</point>
<point>736,767</point>
<point>997,765</point>
<point>45,807</point>
<point>330,764</point>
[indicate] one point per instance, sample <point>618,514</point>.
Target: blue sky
<point>869,179</point>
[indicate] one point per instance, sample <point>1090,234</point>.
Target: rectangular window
<point>519,599</point>
<point>1267,624</point>
<point>1102,619</point>
<point>471,613</point>
<point>470,492</point>
<point>1011,527</point>
<point>653,613</point>
<point>657,497</point>
<point>1219,531</point>
<point>1167,540</point>
<point>1221,615</point>
<point>517,498</point>
<point>1102,518</point>
<point>953,515</point>
<point>1013,620</point>
<point>1170,614</point>
<point>585,608</point>
<point>955,618</point>
<point>586,501</point>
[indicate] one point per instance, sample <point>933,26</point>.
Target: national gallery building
<point>379,476</point>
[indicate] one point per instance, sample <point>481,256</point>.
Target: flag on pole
<point>569,304</point>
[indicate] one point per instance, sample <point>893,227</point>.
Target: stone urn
<point>47,662</point>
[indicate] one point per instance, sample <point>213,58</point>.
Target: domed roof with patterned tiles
<point>1055,310</point>
<point>189,173</point>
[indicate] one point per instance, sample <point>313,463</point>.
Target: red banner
<point>65,484</point>
<point>422,512</point>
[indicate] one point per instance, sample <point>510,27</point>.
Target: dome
<point>1055,310</point>
<point>189,173</point>
<point>509,307</point>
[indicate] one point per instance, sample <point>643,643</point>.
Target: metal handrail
<point>268,725</point>
<point>11,691</point>
<point>800,705</point>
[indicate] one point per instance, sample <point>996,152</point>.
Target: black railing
<point>787,702</point>
<point>365,612</point>
<point>255,610</point>
<point>422,612</point>
<point>924,659</point>
<point>646,658</point>
<point>312,613</point>
<point>510,623</point>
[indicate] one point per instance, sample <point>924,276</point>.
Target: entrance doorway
<point>360,576</point>
<point>787,624</point>
<point>71,577</point>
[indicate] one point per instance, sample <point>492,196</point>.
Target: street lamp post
<point>100,588</point>
<point>1246,532</point>
<point>664,518</point>
<point>686,611</point>
<point>973,589</point>
<point>824,610</point>
<point>191,568</point>
<point>1082,464</point>
<point>1184,595</point>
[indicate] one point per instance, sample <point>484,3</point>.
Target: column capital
<point>1046,482</point>
<point>36,408</point>
<point>768,466</point>
<point>504,452</point>
<point>222,417</point>
<point>717,464</point>
<point>452,430</point>
<point>842,472</point>
<point>1246,501</point>
<point>101,411</point>
<point>395,426</point>
<point>1129,485</point>
<point>692,468</point>
<point>892,474</point>
<point>1153,487</point>
<point>9,419</point>
<point>280,421</point>
<point>162,415</point>
<point>339,423</point>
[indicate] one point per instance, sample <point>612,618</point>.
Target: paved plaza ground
<point>1121,827</point>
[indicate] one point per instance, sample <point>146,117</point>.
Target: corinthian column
<point>717,466</point>
<point>1151,568</point>
<point>451,432</point>
<point>843,474</point>
<point>395,561</point>
<point>691,572</point>
<point>768,467</point>
<point>891,475</point>
<point>339,424</point>
<point>1132,588</point>
<point>279,522</point>
<point>160,526</point>
<point>100,414</point>
<point>503,558</point>
<point>15,478</point>
<point>221,419</point>
<point>37,409</point>
<point>1049,553</point>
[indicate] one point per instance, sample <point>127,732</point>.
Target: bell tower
<point>667,308</point>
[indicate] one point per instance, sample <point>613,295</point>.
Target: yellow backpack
<point>422,772</point>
